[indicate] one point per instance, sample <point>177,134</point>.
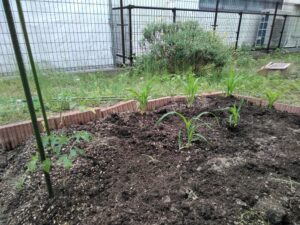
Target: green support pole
<point>30,55</point>
<point>18,54</point>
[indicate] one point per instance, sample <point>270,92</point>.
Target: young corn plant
<point>142,97</point>
<point>235,116</point>
<point>231,82</point>
<point>272,97</point>
<point>55,144</point>
<point>191,132</point>
<point>191,88</point>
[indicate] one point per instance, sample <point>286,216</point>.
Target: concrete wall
<point>73,34</point>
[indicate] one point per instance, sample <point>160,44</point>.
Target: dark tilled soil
<point>134,173</point>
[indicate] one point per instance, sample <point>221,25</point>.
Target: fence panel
<point>7,57</point>
<point>291,34</point>
<point>66,35</point>
<point>80,36</point>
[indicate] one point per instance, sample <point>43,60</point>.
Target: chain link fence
<point>93,35</point>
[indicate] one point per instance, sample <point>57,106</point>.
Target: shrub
<point>183,45</point>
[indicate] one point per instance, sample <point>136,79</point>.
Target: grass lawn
<point>80,91</point>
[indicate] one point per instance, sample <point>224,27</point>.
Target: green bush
<point>181,46</point>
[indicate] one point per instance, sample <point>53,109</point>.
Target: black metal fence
<point>72,35</point>
<point>263,25</point>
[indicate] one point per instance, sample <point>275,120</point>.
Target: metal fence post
<point>25,83</point>
<point>282,30</point>
<point>174,15</point>
<point>273,24</point>
<point>122,31</point>
<point>216,15</point>
<point>130,7</point>
<point>112,33</point>
<point>32,63</point>
<point>238,31</point>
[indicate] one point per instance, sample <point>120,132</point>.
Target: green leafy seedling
<point>142,97</point>
<point>55,143</point>
<point>46,165</point>
<point>235,116</point>
<point>65,161</point>
<point>191,88</point>
<point>19,183</point>
<point>231,82</point>
<point>272,97</point>
<point>32,164</point>
<point>82,135</point>
<point>192,134</point>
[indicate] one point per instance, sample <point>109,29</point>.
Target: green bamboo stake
<point>32,63</point>
<point>25,83</point>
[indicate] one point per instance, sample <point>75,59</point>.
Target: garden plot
<point>133,171</point>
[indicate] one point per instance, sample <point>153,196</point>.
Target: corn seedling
<point>55,144</point>
<point>190,128</point>
<point>235,116</point>
<point>272,97</point>
<point>191,87</point>
<point>142,97</point>
<point>231,82</point>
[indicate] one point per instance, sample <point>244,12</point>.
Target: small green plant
<point>231,82</point>
<point>142,97</point>
<point>54,144</point>
<point>191,87</point>
<point>272,97</point>
<point>190,128</point>
<point>235,116</point>
<point>19,183</point>
<point>251,217</point>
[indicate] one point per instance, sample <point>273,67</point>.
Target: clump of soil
<point>134,173</point>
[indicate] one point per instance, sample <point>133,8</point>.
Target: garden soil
<point>133,172</point>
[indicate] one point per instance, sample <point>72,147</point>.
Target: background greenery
<point>93,89</point>
<point>180,46</point>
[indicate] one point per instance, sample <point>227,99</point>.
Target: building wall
<point>72,35</point>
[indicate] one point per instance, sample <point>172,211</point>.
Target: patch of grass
<point>80,91</point>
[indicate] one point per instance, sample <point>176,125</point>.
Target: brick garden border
<point>12,135</point>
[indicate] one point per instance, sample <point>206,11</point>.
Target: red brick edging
<point>12,135</point>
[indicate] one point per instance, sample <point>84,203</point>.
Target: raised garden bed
<point>134,173</point>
